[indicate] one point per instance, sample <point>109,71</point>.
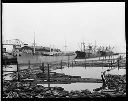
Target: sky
<point>55,24</point>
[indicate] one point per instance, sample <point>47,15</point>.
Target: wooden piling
<point>61,64</point>
<point>43,67</point>
<point>68,60</point>
<point>111,64</point>
<point>85,61</point>
<point>48,77</point>
<point>118,62</point>
<point>18,74</point>
<point>102,63</point>
<point>109,61</point>
<point>5,63</point>
<point>72,63</point>
<point>29,64</point>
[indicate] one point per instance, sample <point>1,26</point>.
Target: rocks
<point>53,92</point>
<point>116,82</point>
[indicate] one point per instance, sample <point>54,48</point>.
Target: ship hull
<point>26,58</point>
<point>81,55</point>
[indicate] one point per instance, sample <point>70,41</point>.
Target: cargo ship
<point>24,58</point>
<point>93,51</point>
<point>38,54</point>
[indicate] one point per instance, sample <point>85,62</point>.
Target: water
<point>88,72</point>
<point>10,68</point>
<point>75,86</point>
<point>8,76</point>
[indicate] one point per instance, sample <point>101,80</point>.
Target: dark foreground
<point>27,89</point>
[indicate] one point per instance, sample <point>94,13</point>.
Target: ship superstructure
<point>92,51</point>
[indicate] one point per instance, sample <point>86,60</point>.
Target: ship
<point>33,58</point>
<point>93,51</point>
<point>38,54</point>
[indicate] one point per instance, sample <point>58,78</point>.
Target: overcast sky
<point>53,23</point>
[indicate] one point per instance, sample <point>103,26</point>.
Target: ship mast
<point>65,46</point>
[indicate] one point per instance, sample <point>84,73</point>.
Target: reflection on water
<point>117,71</point>
<point>10,68</point>
<point>88,72</point>
<point>76,86</point>
<point>7,75</point>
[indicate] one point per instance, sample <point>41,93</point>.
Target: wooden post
<point>72,63</point>
<point>48,77</point>
<point>68,60</point>
<point>29,64</point>
<point>105,60</point>
<point>92,63</point>
<point>43,67</point>
<point>61,64</point>
<point>118,62</point>
<point>111,64</point>
<point>5,63</point>
<point>18,72</point>
<point>113,59</point>
<point>102,63</point>
<point>109,61</point>
<point>85,58</point>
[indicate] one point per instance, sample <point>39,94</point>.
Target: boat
<point>33,54</point>
<point>25,58</point>
<point>38,54</point>
<point>93,51</point>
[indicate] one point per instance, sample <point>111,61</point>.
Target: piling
<point>48,77</point>
<point>111,63</point>
<point>61,64</point>
<point>72,63</point>
<point>18,75</point>
<point>85,60</point>
<point>29,64</point>
<point>102,63</point>
<point>113,59</point>
<point>42,67</point>
<point>92,63</point>
<point>118,63</point>
<point>5,63</point>
<point>68,60</point>
<point>105,60</point>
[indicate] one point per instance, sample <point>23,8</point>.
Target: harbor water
<point>84,72</point>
